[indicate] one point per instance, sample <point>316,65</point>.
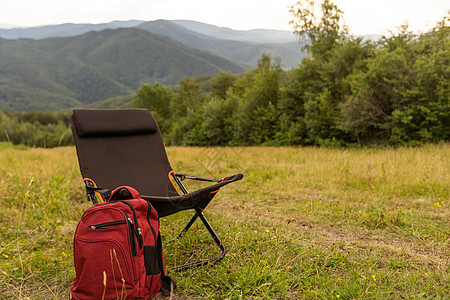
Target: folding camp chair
<point>124,147</point>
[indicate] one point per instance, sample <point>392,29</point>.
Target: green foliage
<point>394,92</point>
<point>115,102</point>
<point>317,20</point>
<point>221,83</point>
<point>218,120</point>
<point>319,117</point>
<point>403,94</point>
<point>378,217</point>
<point>256,123</point>
<point>157,99</point>
<point>36,129</point>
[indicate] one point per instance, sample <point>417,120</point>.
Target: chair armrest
<point>191,177</point>
<point>197,199</point>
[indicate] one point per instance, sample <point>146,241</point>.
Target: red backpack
<point>118,251</point>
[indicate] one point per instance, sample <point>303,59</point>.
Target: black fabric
<point>151,260</point>
<point>139,161</point>
<point>97,123</point>
<point>122,194</point>
<point>168,285</point>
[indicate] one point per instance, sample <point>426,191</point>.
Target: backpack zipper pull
<point>132,226</point>
<point>132,241</point>
<point>137,232</point>
<point>140,239</point>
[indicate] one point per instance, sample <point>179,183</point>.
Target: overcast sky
<point>362,16</point>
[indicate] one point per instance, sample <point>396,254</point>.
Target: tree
<point>218,120</point>
<point>189,95</point>
<point>221,83</point>
<point>319,22</point>
<point>257,115</point>
<point>157,99</point>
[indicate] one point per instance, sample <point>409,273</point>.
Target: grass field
<point>305,223</point>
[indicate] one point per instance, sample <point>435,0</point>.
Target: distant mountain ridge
<point>61,73</point>
<point>262,36</point>
<point>72,29</point>
<point>9,26</point>
<point>244,52</point>
<point>242,46</point>
<point>63,30</point>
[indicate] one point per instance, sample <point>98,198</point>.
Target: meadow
<point>304,223</point>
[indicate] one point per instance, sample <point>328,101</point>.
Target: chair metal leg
<point>216,238</point>
<point>198,214</point>
<point>183,232</point>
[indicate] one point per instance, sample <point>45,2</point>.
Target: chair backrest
<point>122,147</point>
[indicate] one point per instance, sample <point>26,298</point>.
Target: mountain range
<point>70,65</point>
<point>70,29</point>
<point>239,45</point>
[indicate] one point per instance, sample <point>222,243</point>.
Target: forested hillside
<point>349,91</point>
<point>60,73</point>
<point>237,45</point>
<point>244,47</point>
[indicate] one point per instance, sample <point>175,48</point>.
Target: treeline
<point>349,91</point>
<point>35,129</point>
<point>394,91</point>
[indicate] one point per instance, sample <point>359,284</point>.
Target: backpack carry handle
<point>124,193</point>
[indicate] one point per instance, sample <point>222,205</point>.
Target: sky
<point>361,16</point>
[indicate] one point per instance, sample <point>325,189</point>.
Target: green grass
<point>305,223</point>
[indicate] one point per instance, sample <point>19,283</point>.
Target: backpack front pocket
<point>104,257</point>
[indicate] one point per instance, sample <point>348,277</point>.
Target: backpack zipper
<point>107,224</point>
<point>136,225</point>
<point>131,233</point>
<point>131,229</point>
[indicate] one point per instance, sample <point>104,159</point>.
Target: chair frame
<point>141,122</point>
<point>178,178</point>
